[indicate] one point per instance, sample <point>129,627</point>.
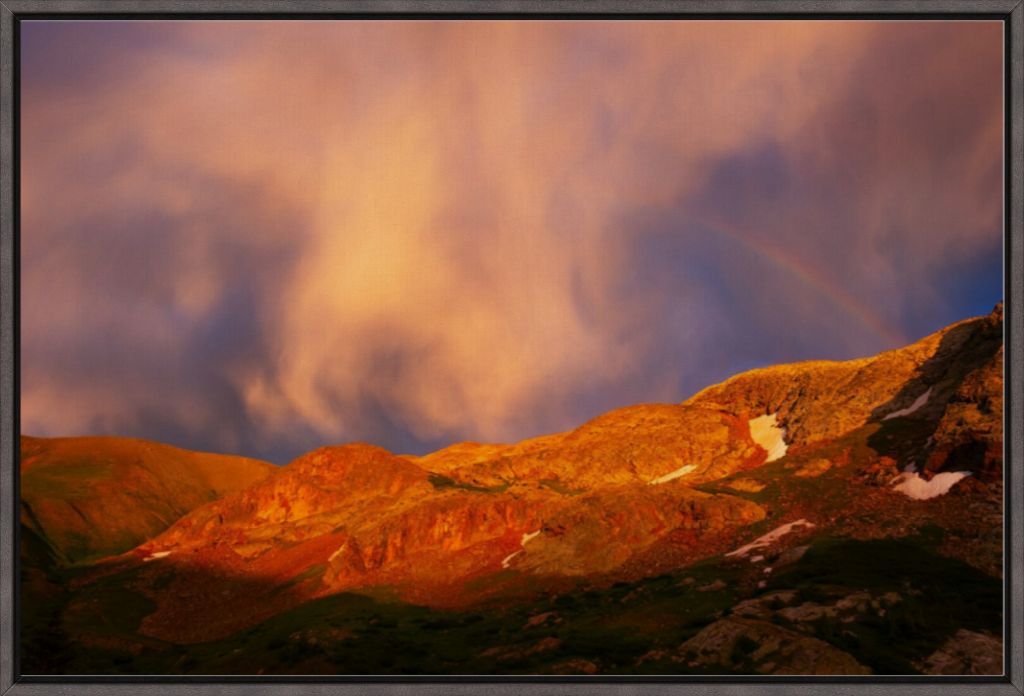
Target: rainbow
<point>813,278</point>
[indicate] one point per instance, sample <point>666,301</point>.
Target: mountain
<point>83,498</point>
<point>818,517</point>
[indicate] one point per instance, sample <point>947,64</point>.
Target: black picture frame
<point>1010,12</point>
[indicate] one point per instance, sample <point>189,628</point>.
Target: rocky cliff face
<point>970,430</point>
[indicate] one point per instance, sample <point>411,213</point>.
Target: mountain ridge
<point>783,459</point>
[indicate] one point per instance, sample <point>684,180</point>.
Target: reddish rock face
<point>356,516</point>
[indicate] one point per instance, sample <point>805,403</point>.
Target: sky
<point>262,237</point>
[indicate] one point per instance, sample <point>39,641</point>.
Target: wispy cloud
<point>264,236</point>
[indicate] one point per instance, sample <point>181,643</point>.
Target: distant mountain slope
<point>88,497</point>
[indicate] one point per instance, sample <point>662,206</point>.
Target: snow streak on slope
<point>527,536</point>
<point>681,471</point>
<point>769,538</point>
<point>918,403</point>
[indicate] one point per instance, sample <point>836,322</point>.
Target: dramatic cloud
<point>261,237</point>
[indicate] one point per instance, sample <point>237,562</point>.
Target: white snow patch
<point>918,403</point>
<point>155,555</point>
<point>767,570</point>
<point>756,559</point>
<point>508,559</point>
<point>527,537</point>
<point>770,538</point>
<point>913,486</point>
<point>766,432</point>
<point>338,552</point>
<point>681,471</point>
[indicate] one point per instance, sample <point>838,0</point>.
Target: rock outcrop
<point>740,644</point>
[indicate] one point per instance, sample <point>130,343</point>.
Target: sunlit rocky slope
<point>820,517</point>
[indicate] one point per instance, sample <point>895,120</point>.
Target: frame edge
<point>1014,435</point>
<point>556,7</point>
<point>12,10</point>
<point>8,626</point>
